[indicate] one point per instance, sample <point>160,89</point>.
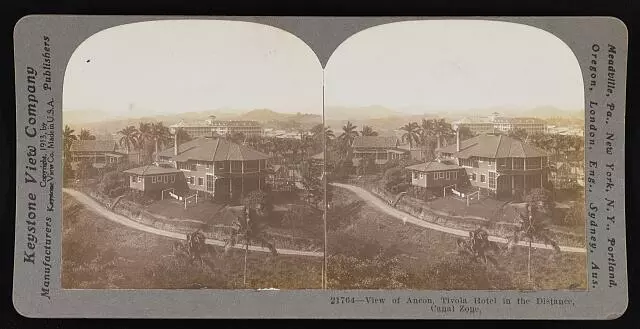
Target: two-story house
<point>217,167</point>
<point>381,149</point>
<point>501,165</point>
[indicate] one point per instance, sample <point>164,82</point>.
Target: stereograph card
<point>320,167</point>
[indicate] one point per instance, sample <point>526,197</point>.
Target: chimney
<point>175,143</point>
<point>458,140</point>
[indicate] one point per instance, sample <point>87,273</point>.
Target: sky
<point>454,66</point>
<point>164,67</point>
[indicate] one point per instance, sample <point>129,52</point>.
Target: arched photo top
<point>169,66</point>
<point>454,65</point>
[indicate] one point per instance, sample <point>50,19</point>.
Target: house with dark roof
<point>379,148</point>
<point>216,167</point>
<point>501,165</point>
<point>151,180</point>
<point>100,153</point>
<point>435,175</point>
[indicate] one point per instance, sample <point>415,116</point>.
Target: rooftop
<point>217,123</point>
<point>213,149</point>
<point>151,170</point>
<point>375,142</point>
<point>490,120</point>
<point>94,146</point>
<point>433,166</point>
<point>493,146</point>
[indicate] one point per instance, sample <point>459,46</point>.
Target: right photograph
<point>454,159</point>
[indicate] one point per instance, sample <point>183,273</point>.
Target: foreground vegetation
<point>99,254</point>
<point>375,251</point>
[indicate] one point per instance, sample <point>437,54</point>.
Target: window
<point>209,183</point>
<point>448,175</point>
<point>435,176</point>
<point>208,165</point>
<point>518,163</point>
<point>173,178</point>
<point>193,167</point>
<point>133,179</point>
<point>220,165</point>
<point>492,180</point>
<point>473,177</point>
<point>483,178</point>
<point>190,179</point>
<point>153,179</point>
<point>139,179</point>
<point>441,175</point>
<point>421,175</point>
<point>166,178</point>
<point>415,175</point>
<point>200,181</point>
<point>236,165</point>
<point>455,175</point>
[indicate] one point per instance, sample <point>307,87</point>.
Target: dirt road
<point>406,218</point>
<point>98,208</point>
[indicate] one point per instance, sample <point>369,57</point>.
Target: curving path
<point>374,200</point>
<point>101,210</point>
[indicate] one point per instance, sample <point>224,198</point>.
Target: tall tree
<point>161,136</point>
<point>144,136</point>
<point>85,135</point>
<point>368,131</point>
<point>183,136</point>
<point>249,226</point>
<point>443,131</point>
<point>129,138</point>
<point>426,138</point>
<point>68,138</point>
<point>410,133</point>
<point>531,226</point>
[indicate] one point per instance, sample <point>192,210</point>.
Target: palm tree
<point>411,133</point>
<point>247,227</point>
<point>530,226</point>
<point>144,136</point>
<point>68,138</point>
<point>426,137</point>
<point>128,139</point>
<point>349,133</point>
<point>161,136</point>
<point>368,131</point>
<point>85,135</point>
<point>443,131</point>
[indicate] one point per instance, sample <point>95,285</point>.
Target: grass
<point>422,251</point>
<point>100,254</point>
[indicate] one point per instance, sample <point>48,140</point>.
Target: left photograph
<point>193,154</point>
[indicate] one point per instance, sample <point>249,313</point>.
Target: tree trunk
<point>156,159</point>
<point>529,262</point>
<point>246,252</point>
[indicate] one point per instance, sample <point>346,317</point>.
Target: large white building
<point>212,127</point>
<point>497,123</point>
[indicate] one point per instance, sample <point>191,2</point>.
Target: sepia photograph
<point>455,159</point>
<point>427,155</point>
<point>190,159</point>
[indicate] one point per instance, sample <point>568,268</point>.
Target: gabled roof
<point>493,146</point>
<point>375,142</point>
<point>213,149</point>
<point>433,166</point>
<point>93,146</point>
<point>151,170</point>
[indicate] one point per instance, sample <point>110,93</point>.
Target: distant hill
<point>359,113</point>
<point>103,124</point>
